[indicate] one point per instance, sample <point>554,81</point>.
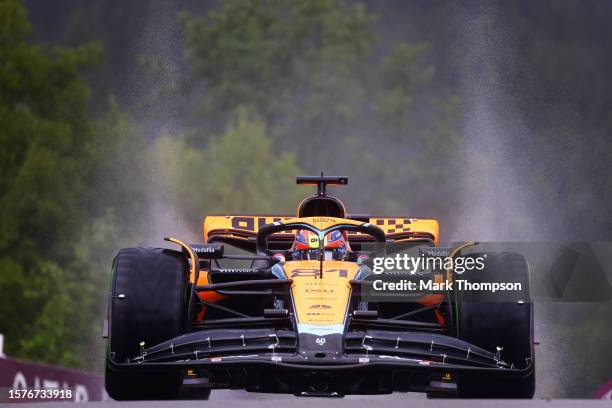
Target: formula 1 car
<point>183,322</point>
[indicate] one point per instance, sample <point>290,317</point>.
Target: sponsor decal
<point>249,223</point>
<point>342,273</point>
<point>235,270</point>
<point>322,330</point>
<point>31,381</point>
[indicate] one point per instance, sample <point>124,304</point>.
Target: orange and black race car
<point>294,310</point>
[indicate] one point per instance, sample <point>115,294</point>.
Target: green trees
<point>45,139</point>
<point>292,62</point>
<point>238,171</point>
<point>312,72</point>
<point>243,174</point>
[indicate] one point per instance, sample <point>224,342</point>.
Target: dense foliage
<point>45,140</point>
<point>76,188</point>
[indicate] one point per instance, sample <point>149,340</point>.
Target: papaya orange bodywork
<point>245,226</point>
<point>321,300</point>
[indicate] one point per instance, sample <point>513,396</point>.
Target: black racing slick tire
<point>147,303</point>
<point>505,319</point>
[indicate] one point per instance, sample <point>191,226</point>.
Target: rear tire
<point>502,319</point>
<point>153,284</point>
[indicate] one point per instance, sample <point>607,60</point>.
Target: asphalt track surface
<point>339,403</point>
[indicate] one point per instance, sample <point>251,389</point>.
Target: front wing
<point>358,362</point>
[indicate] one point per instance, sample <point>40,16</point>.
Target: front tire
<point>148,303</point>
<point>502,319</point>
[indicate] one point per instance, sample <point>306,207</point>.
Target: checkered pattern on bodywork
<point>250,223</point>
<point>393,225</point>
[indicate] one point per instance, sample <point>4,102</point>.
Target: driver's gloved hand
<point>364,272</point>
<point>278,272</point>
<point>365,260</point>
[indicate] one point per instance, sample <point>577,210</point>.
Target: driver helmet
<point>306,246</point>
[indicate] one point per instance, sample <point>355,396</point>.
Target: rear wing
<point>241,230</point>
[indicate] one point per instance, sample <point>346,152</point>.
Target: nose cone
<point>321,305</point>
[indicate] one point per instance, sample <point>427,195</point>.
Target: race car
<point>293,309</point>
